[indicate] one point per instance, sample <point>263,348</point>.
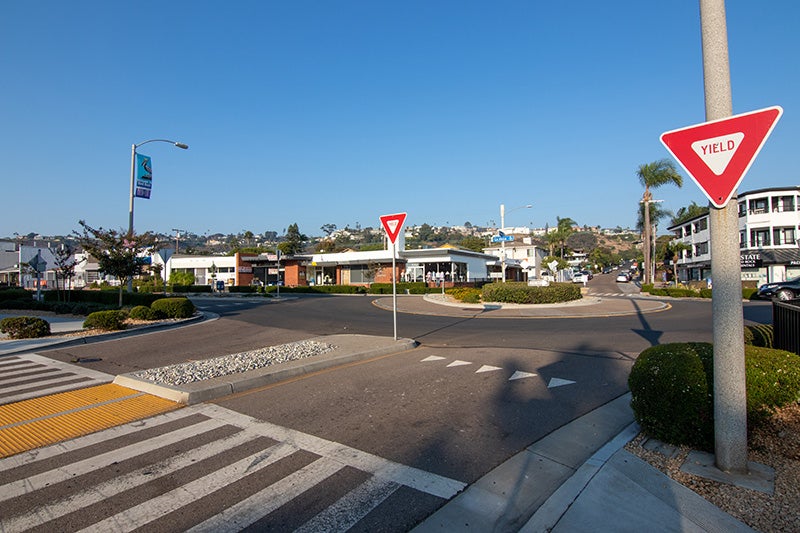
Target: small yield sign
<point>719,153</point>
<point>393,224</point>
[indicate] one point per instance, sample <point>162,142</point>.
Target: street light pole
<point>502,230</point>
<point>180,145</point>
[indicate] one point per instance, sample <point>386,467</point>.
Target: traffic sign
<point>392,224</point>
<point>719,153</point>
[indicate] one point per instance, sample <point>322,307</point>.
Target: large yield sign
<point>393,224</point>
<point>719,153</point>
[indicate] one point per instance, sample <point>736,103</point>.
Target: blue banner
<point>144,176</point>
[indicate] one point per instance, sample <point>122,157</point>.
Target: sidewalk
<point>577,478</point>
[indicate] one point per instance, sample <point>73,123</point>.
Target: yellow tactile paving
<point>58,403</point>
<point>43,431</point>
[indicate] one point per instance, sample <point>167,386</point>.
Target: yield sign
<point>392,224</point>
<point>719,153</point>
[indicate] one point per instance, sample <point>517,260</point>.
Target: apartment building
<point>769,238</point>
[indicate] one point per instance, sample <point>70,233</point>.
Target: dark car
<point>782,290</point>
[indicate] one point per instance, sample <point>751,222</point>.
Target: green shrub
<point>173,307</point>
<point>15,294</point>
<point>110,298</point>
<point>762,335</point>
<point>181,278</point>
<point>243,288</point>
<point>319,289</point>
<point>142,312</point>
<point>26,304</point>
<point>465,294</point>
<point>672,389</point>
<point>522,293</point>
<point>671,397</point>
<point>110,320</point>
<point>773,381</point>
<point>386,288</point>
<point>25,327</point>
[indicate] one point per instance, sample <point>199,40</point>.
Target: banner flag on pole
<point>144,176</point>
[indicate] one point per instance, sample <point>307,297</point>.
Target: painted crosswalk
<point>30,375</point>
<point>203,468</point>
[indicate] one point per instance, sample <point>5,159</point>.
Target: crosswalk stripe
<point>39,481</point>
<point>8,384</point>
<point>74,502</point>
<point>352,507</point>
<point>144,513</point>
<point>415,478</point>
<point>259,505</point>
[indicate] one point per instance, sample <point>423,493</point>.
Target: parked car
<point>588,274</point>
<point>782,290</point>
<point>623,277</point>
<point>579,277</point>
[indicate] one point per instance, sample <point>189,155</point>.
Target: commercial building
<point>769,233</point>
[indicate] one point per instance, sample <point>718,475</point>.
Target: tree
<point>582,240</point>
<point>651,176</point>
<point>65,266</point>
<point>117,252</point>
<point>476,244</point>
<point>677,248</point>
<point>328,229</point>
<point>248,237</point>
<point>689,212</point>
<point>293,242</point>
<point>564,230</point>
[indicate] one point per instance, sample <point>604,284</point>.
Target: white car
<point>623,277</point>
<point>579,277</point>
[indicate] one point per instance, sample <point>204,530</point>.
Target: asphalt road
<point>476,391</point>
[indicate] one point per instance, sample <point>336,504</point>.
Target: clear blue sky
<point>317,112</point>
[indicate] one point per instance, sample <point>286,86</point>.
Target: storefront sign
<point>751,260</point>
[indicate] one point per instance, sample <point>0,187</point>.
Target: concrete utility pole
<point>730,407</point>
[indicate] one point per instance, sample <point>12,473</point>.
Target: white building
<point>769,229</point>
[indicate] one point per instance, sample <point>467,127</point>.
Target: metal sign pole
<point>730,392</point>
<point>394,291</point>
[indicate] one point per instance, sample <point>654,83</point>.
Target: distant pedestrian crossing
<point>31,375</point>
<point>205,468</point>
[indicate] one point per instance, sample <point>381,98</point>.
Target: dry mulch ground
<point>775,444</point>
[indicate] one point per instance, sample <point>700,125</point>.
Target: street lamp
<point>502,229</point>
<point>180,145</point>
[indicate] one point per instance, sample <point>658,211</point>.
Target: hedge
<point>109,298</point>
<point>111,320</point>
<point>173,308</point>
<point>522,293</point>
<point>386,288</point>
<point>142,312</point>
<point>672,389</point>
<point>684,292</point>
<point>25,327</point>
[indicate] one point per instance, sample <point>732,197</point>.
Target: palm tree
<point>653,175</point>
<point>677,248</point>
<point>564,230</point>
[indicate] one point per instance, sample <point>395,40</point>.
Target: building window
<point>783,203</point>
<point>758,206</point>
<point>742,239</point>
<point>742,209</point>
<point>700,225</point>
<point>687,230</point>
<point>701,248</point>
<point>783,236</point>
<point>759,237</point>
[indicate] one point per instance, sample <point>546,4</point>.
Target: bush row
<point>467,295</point>
<point>672,389</point>
<point>522,293</point>
<point>113,320</point>
<point>686,292</point>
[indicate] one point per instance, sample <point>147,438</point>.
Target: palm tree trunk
<point>646,236</point>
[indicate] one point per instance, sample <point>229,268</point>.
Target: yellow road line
<point>41,421</point>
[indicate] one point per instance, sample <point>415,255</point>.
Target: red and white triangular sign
<point>393,224</point>
<point>719,153</point>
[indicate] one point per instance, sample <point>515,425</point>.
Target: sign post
<point>393,224</point>
<point>717,154</point>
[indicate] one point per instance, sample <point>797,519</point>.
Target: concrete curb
<point>349,348</point>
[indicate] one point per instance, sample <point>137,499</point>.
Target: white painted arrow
<point>432,358</point>
<point>487,368</point>
<point>558,382</point>
<point>458,363</point>
<point>521,375</point>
